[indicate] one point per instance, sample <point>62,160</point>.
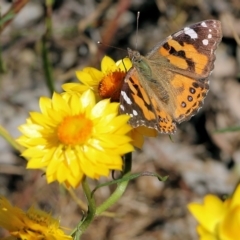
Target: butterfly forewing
<point>191,49</point>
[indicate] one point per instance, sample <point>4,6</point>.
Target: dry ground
<point>198,160</point>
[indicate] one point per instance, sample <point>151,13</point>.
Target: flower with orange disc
<point>32,225</point>
<point>74,136</point>
<point>106,83</point>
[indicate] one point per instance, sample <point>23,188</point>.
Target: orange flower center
<point>74,130</point>
<point>110,86</point>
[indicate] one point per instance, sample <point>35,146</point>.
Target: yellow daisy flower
<point>32,225</point>
<point>74,136</point>
<point>106,83</point>
<point>218,220</point>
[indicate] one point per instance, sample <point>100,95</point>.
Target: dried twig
<point>11,13</point>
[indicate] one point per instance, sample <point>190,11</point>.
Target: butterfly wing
<point>192,48</point>
<point>188,57</point>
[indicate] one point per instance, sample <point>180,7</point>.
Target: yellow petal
<point>229,228</point>
<point>235,200</point>
<point>107,64</point>
<point>75,87</point>
<point>87,79</point>
<point>95,74</point>
<point>204,234</point>
<point>124,64</point>
<point>209,213</point>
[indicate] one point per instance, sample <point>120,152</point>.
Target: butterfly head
<point>135,56</point>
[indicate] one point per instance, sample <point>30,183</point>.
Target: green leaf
<point>130,177</point>
<point>170,136</point>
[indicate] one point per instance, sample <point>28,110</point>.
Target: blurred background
<point>198,160</point>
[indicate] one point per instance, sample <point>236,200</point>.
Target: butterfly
<point>168,86</point>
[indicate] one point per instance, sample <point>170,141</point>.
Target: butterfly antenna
<point>138,15</point>
<point>110,46</point>
<point>124,65</point>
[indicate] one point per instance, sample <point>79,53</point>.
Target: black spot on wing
<point>180,54</point>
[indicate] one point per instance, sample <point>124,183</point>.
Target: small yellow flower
<point>218,220</point>
<point>32,225</point>
<point>75,137</point>
<point>106,83</point>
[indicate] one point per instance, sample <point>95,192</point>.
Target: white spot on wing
<point>203,24</point>
<point>209,35</point>
<point>122,107</point>
<point>135,113</point>
<point>205,42</point>
<point>126,98</point>
<point>190,32</point>
<point>209,30</point>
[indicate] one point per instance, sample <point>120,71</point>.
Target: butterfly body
<point>168,86</point>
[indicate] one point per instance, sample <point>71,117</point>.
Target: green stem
<point>2,64</point>
<point>121,187</point>
<point>47,66</point>
<point>5,134</point>
<point>92,211</point>
<point>45,57</point>
<point>83,225</point>
<point>48,19</point>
